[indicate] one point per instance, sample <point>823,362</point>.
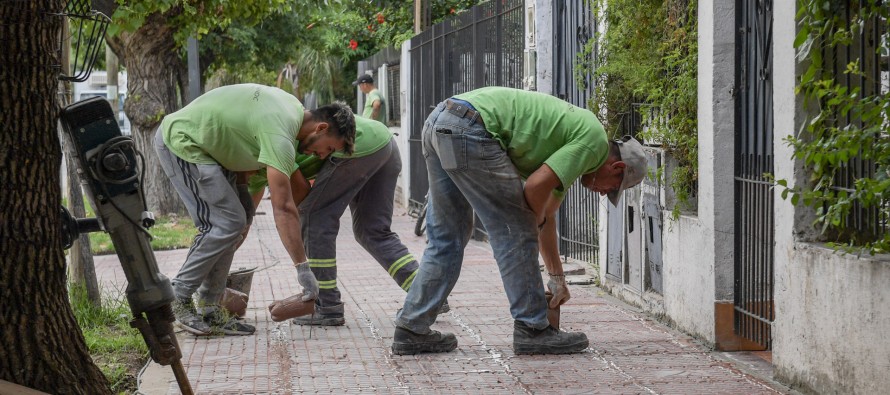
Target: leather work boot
<point>406,342</point>
<point>323,316</point>
<point>528,340</point>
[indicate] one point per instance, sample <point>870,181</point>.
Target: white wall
<point>543,42</point>
<point>405,130</point>
<point>832,310</point>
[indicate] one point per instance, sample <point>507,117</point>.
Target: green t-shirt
<point>536,129</point>
<point>370,137</point>
<point>242,127</point>
<point>373,96</point>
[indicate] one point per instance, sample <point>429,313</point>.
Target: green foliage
<point>323,40</point>
<point>647,58</point>
<point>193,17</point>
<point>828,142</point>
<point>117,349</point>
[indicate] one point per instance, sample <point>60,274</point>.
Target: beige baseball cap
<point>635,168</point>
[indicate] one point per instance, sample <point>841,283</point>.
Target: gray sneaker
<point>405,342</point>
<point>223,323</point>
<point>188,319</point>
<point>528,340</point>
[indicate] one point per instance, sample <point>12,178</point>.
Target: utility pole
<point>111,65</point>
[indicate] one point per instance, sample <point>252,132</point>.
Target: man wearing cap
<point>375,105</point>
<point>207,149</point>
<point>479,146</point>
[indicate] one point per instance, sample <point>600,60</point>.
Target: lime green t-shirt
<point>370,137</point>
<point>536,128</point>
<point>242,127</point>
<point>373,96</point>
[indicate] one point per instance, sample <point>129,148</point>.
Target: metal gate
<point>754,216</point>
<point>481,47</point>
<point>574,25</point>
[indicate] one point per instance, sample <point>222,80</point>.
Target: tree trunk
<point>153,67</point>
<point>43,347</point>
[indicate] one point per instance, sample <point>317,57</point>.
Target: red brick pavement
<point>629,354</point>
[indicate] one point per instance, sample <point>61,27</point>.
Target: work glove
<point>307,280</point>
<point>559,289</point>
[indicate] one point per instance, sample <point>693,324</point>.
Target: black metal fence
<point>481,47</point>
<point>872,80</point>
<point>393,94</point>
<point>754,212</point>
<point>574,26</point>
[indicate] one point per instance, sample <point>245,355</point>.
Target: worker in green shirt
<point>207,149</point>
<point>509,156</point>
<point>365,182</point>
<point>375,104</point>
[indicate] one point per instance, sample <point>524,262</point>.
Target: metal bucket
<point>241,279</point>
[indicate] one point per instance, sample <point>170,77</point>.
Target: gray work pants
<point>209,194</point>
<point>367,185</point>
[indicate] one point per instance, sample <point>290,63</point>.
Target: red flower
<point>370,28</point>
<point>453,11</point>
<point>353,44</point>
<point>380,17</point>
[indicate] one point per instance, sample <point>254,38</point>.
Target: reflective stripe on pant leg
<point>325,271</point>
<point>403,271</point>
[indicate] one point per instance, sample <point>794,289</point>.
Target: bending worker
<point>366,182</point>
<point>479,146</point>
<point>206,149</point>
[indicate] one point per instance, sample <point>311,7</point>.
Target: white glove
<point>559,289</point>
<point>307,280</point>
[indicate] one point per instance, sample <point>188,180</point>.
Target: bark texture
<point>42,346</point>
<point>154,68</point>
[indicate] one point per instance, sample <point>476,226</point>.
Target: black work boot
<point>406,342</point>
<point>528,340</point>
<point>323,316</point>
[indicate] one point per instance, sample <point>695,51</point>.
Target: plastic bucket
<point>241,279</point>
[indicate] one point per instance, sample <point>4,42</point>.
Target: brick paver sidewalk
<point>629,353</point>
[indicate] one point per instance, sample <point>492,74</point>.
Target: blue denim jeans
<point>470,171</point>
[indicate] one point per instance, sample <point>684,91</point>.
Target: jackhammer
<point>108,170</point>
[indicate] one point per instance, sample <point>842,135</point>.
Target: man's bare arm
<point>375,109</point>
<point>287,217</point>
<point>539,195</point>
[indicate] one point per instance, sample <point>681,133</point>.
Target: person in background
<point>375,103</point>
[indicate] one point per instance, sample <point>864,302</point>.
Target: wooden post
<point>81,268</point>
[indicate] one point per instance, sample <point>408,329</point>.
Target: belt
<point>463,111</point>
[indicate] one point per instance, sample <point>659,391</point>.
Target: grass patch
<point>169,232</point>
<point>116,348</point>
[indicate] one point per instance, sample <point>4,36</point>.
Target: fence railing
<point>873,80</point>
<point>481,47</point>
<point>574,26</point>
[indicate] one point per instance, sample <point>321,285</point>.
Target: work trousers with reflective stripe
<point>367,185</point>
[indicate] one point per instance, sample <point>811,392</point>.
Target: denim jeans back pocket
<point>452,149</point>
